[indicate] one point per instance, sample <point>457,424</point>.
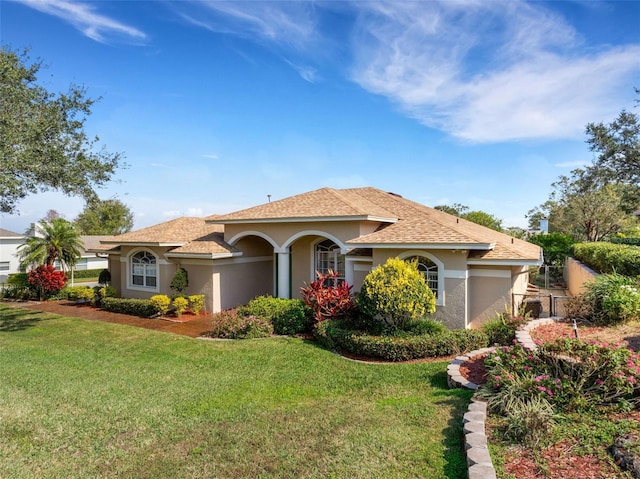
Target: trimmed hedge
<point>134,307</point>
<point>77,293</point>
<point>288,316</point>
<point>609,258</point>
<point>84,273</point>
<point>230,325</point>
<point>627,241</point>
<point>332,335</point>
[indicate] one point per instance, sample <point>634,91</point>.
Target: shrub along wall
<point>136,307</point>
<point>84,273</point>
<point>332,335</point>
<point>609,258</point>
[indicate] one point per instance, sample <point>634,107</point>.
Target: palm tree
<point>49,241</point>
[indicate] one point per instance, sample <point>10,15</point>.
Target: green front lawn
<point>90,399</point>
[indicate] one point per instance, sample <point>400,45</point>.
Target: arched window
<point>429,269</point>
<point>328,257</point>
<point>144,272</point>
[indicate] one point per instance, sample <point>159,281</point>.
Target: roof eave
<point>304,219</point>
<point>171,244</point>
<point>202,255</point>
<point>456,246</point>
<point>504,262</point>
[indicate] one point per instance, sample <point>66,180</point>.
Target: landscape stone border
<point>479,461</point>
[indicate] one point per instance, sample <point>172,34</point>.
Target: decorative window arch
<point>428,269</point>
<point>432,269</point>
<point>328,256</point>
<point>144,270</point>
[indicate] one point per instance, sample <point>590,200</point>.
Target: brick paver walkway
<point>193,327</point>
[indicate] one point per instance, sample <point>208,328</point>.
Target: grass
<point>91,399</point>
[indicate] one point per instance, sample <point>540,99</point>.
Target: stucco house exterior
<point>275,248</point>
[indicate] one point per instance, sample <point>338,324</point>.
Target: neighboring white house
<point>9,242</point>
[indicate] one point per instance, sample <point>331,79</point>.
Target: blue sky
<point>216,105</point>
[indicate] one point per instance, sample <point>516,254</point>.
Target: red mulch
<point>560,460</point>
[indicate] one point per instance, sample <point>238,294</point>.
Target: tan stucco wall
<point>576,275</point>
<point>240,282</point>
<point>116,276</point>
<point>488,295</point>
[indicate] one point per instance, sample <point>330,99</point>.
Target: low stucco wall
<point>576,275</point>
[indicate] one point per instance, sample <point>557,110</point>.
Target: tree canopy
<point>597,202</point>
<point>104,217</point>
<point>43,144</point>
<point>480,217</point>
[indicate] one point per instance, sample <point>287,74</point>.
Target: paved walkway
<point>192,327</point>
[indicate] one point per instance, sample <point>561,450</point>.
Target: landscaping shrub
<point>337,335</point>
<point>609,258</point>
<point>425,326</point>
<point>395,293</point>
<point>180,305</point>
<point>231,325</point>
<point>612,299</point>
<point>104,277</point>
<point>134,307</point>
<point>180,280</point>
<point>288,316</point>
<point>101,292</point>
<point>501,329</point>
<point>197,303</point>
<point>328,298</point>
<point>46,281</point>
<point>161,302</point>
<point>570,374</point>
<point>20,280</point>
<point>16,292</point>
<point>75,293</point>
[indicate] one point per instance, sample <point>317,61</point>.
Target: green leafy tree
<point>583,208</point>
<point>43,144</point>
<point>618,147</point>
<point>396,292</point>
<point>104,217</point>
<point>49,241</point>
<point>484,219</point>
<point>455,209</point>
<point>556,247</point>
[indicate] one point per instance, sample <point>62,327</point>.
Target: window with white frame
<point>144,271</point>
<point>4,266</point>
<point>429,270</point>
<point>329,258</point>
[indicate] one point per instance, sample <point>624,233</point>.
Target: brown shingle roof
<point>189,235</point>
<point>9,234</point>
<point>316,205</point>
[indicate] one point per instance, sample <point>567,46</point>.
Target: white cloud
<point>84,17</point>
<point>572,164</point>
<point>171,213</point>
<point>488,71</point>
<point>194,212</point>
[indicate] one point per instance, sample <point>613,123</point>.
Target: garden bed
<point>580,446</point>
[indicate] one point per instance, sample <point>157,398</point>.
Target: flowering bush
<point>570,374</point>
<point>197,303</point>
<point>46,280</point>
<point>161,303</point>
<point>396,292</point>
<point>328,297</point>
<point>613,299</point>
<point>180,304</point>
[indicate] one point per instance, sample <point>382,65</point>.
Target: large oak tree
<point>43,145</point>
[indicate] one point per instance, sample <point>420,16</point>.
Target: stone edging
<point>475,438</point>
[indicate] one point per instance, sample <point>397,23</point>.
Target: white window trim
<point>314,245</point>
<point>137,287</point>
<point>441,273</point>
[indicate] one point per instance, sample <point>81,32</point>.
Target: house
<point>277,247</point>
<point>9,264</point>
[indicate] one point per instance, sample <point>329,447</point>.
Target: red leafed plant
<point>328,297</point>
<point>46,279</point>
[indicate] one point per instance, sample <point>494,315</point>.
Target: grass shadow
<point>634,342</point>
<point>17,319</point>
